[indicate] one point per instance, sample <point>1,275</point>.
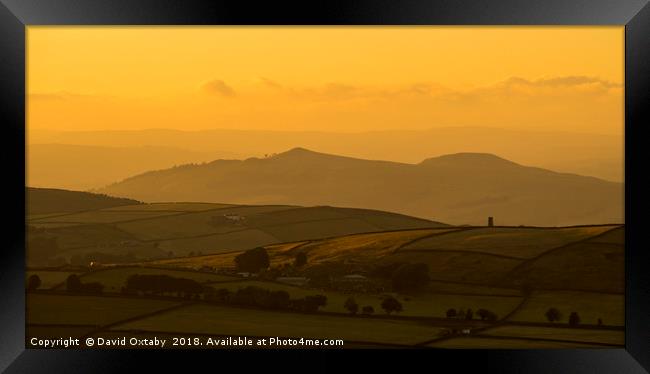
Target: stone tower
<point>490,221</point>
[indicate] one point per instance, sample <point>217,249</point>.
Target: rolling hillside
<point>588,258</point>
<point>49,201</point>
<point>462,188</point>
<point>179,229</point>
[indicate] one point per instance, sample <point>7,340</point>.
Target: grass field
<point>174,207</point>
<point>458,266</point>
<point>192,227</point>
<point>578,335</point>
<point>460,288</point>
<point>105,216</point>
<point>366,247</point>
<point>208,319</point>
<point>87,310</point>
<point>50,279</point>
<point>514,242</point>
<point>589,306</point>
<point>589,266</point>
<point>114,279</point>
<point>424,304</point>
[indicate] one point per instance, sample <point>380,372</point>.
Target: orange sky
<point>325,78</point>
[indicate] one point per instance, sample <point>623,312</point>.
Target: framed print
<point>388,184</point>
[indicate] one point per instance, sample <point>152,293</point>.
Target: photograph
<point>325,187</point>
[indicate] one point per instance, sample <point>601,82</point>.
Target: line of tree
<point>553,315</point>
<point>74,284</point>
<point>267,299</point>
<point>483,314</point>
<point>352,306</point>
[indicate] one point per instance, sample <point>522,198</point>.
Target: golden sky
<point>325,78</point>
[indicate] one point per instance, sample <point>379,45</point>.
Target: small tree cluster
<point>552,315</point>
<point>253,260</point>
<point>486,315</point>
<point>263,298</point>
<point>391,304</point>
<point>467,314</point>
<point>33,282</point>
<point>351,305</point>
<point>74,284</point>
<point>300,260</point>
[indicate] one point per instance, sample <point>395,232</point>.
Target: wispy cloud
<point>218,87</point>
<point>508,88</point>
<point>60,95</point>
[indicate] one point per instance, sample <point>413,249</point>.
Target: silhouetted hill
<point>49,200</point>
<point>462,188</point>
<point>597,155</point>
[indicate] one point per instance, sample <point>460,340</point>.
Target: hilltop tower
<point>490,221</point>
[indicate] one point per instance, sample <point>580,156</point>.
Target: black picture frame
<point>15,15</point>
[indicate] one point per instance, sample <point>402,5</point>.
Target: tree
<point>469,314</point>
<point>486,315</point>
<point>253,260</point>
<point>600,321</point>
<point>312,303</point>
<point>451,313</point>
<point>72,283</point>
<point>574,319</point>
<point>410,277</point>
<point>391,304</point>
<point>351,305</point>
<point>33,282</point>
<point>552,315</point>
<point>368,310</point>
<point>301,259</point>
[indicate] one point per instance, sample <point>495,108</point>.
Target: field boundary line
<point>135,318</point>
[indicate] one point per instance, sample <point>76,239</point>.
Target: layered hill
<point>50,201</point>
<point>463,188</point>
<point>179,229</point>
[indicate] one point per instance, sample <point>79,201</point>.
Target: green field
<point>366,247</point>
<point>458,266</point>
<point>87,310</point>
<point>216,320</point>
<point>589,306</point>
<point>470,288</point>
<point>186,228</point>
<point>50,278</point>
<point>113,279</point>
<point>589,266</point>
<point>614,337</point>
<point>515,272</point>
<point>513,242</point>
<point>172,207</point>
<point>105,216</point>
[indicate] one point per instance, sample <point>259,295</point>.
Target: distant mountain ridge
<point>462,188</point>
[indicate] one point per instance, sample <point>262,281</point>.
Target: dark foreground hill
<point>49,200</point>
<point>462,188</point>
